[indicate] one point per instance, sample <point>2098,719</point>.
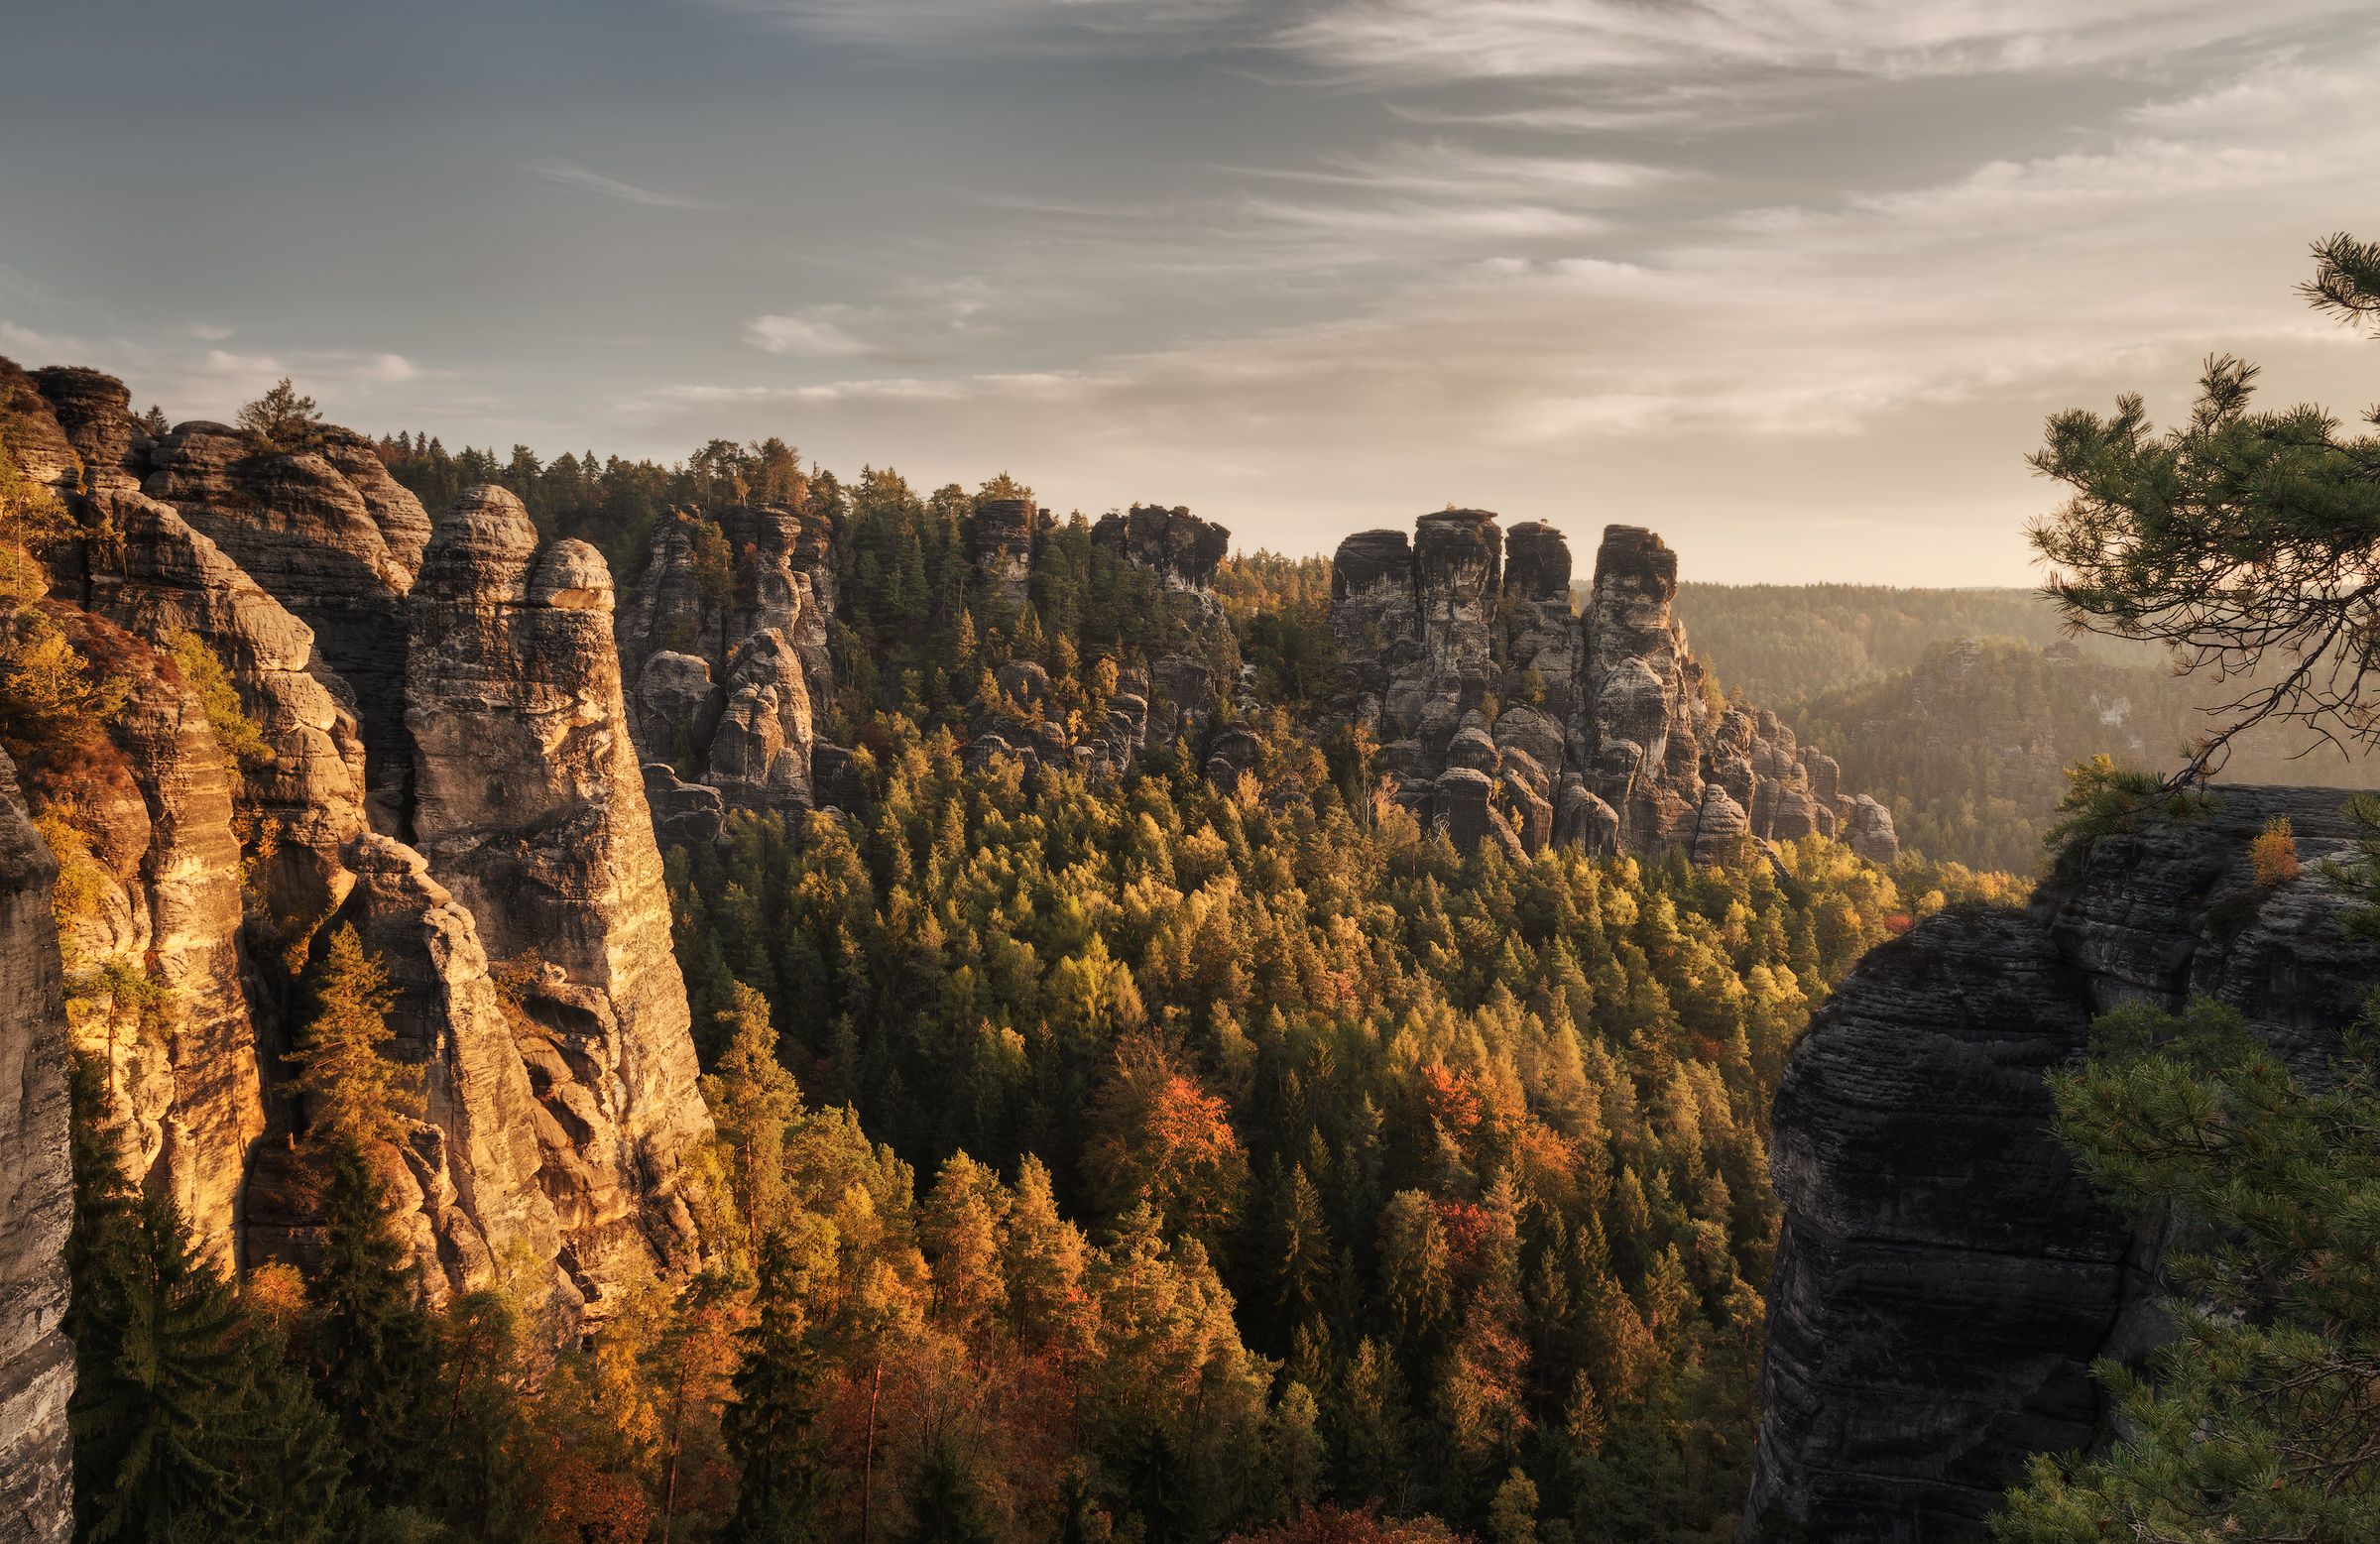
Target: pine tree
<point>771,1428</point>
<point>160,1375</point>
<point>944,1499</point>
<point>374,1346</point>
<point>354,1094</point>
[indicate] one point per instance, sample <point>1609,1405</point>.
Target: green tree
<point>355,1095</point>
<point>771,1428</point>
<point>2246,542</point>
<point>282,418</point>
<point>2260,1420</point>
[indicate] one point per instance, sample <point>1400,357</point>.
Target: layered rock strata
<point>1944,1278</point>
<point>725,643</point>
<point>1001,541</point>
<point>329,534</point>
<point>156,934</point>
<point>530,807</point>
<point>37,1189</point>
<point>1503,716</point>
<point>560,1091</point>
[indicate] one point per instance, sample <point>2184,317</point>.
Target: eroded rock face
<point>1944,1278</point>
<point>161,578</point>
<point>1000,543</point>
<point>37,1189</point>
<point>1180,549</point>
<point>750,589</point>
<point>530,808</point>
<point>1605,718</point>
<point>340,554</point>
<point>469,1178</point>
<point>760,749</point>
<point>183,1073</point>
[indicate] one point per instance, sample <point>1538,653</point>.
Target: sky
<point>1792,282</point>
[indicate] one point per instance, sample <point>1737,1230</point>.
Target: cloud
<point>562,174</point>
<point>817,332</point>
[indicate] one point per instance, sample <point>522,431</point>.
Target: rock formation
<point>1174,545</point>
<point>1170,696</point>
<point>724,641</point>
<point>529,807</point>
<point>1501,715</point>
<point>1001,541</point>
<point>469,1181</point>
<point>1944,1278</point>
<point>168,1018</point>
<point>340,554</point>
<point>560,1094</point>
<point>37,1189</point>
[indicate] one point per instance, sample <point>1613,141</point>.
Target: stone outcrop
<point>468,1184</point>
<point>1944,1278</point>
<point>1169,696</point>
<point>339,551</point>
<point>1462,653</point>
<point>1177,547</point>
<point>725,642</point>
<point>37,1189</point>
<point>159,577</point>
<point>530,807</point>
<point>175,1040</point>
<point>1001,541</point>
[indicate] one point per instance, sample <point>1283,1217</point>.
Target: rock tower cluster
<point>1503,716</point>
<point>1167,699</point>
<point>446,768</point>
<point>724,643</point>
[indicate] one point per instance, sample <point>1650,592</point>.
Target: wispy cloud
<point>562,174</point>
<point>817,332</point>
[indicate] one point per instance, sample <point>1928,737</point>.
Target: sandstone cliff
<point>724,641</point>
<point>560,1098</point>
<point>1503,716</point>
<point>1944,1278</point>
<point>37,1364</point>
<point>530,807</point>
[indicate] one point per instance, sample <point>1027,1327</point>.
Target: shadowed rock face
<point>530,808</point>
<point>1177,547</point>
<point>750,591</point>
<point>1000,543</point>
<point>37,1189</point>
<point>1606,731</point>
<point>1944,1278</point>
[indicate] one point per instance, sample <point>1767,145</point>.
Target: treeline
<point>1783,643</point>
<point>1971,746</point>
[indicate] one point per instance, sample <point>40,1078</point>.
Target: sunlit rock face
<point>328,533</point>
<point>529,807</point>
<point>36,1188</point>
<point>1461,655</point>
<point>1944,1278</point>
<point>181,1075</point>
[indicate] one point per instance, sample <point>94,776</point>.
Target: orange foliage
<point>1331,1526</point>
<point>584,1503</point>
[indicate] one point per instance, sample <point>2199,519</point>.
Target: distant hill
<point>1961,708</point>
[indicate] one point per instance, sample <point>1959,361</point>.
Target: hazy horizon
<point>1792,282</point>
